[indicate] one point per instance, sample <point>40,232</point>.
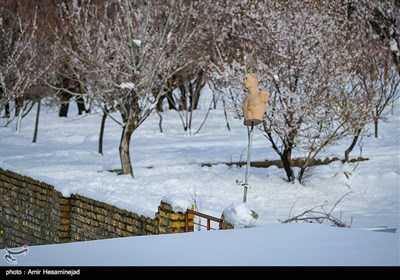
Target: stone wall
<point>33,213</point>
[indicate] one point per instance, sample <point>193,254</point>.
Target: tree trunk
<point>225,113</point>
<point>19,104</point>
<point>182,101</point>
<point>7,111</point>
<point>190,115</point>
<point>19,120</point>
<point>286,161</point>
<point>376,126</point>
<point>36,123</point>
<point>81,104</point>
<point>65,97</point>
<point>160,122</point>
<point>285,155</point>
<point>171,101</point>
<point>352,145</point>
<point>195,96</point>
<point>191,96</point>
<point>103,122</point>
<point>127,131</point>
<point>160,102</point>
<point>301,173</point>
<point>215,100</point>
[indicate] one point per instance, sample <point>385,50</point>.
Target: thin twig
<point>318,214</point>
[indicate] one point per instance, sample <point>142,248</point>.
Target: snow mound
<point>178,204</point>
<point>238,215</point>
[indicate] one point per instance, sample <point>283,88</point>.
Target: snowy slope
<point>289,244</point>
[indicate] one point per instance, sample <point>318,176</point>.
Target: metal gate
<point>208,217</point>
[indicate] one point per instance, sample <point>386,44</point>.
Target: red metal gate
<point>208,217</point>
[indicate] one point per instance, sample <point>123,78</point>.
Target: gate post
<point>173,217</point>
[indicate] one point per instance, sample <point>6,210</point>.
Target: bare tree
<point>185,88</point>
<point>374,84</point>
<point>354,105</point>
<point>384,18</point>
<point>313,58</point>
<point>127,57</point>
<point>301,66</point>
<point>319,214</point>
<point>25,55</point>
<point>384,81</point>
<point>381,52</point>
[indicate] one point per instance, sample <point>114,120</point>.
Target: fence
<point>191,213</point>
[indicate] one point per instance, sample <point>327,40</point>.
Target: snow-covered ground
<point>268,245</point>
<point>170,163</point>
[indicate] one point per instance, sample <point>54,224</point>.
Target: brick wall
<point>30,211</point>
<point>91,219</point>
<point>33,213</point>
<point>171,222</point>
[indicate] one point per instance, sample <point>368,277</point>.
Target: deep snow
<point>276,245</point>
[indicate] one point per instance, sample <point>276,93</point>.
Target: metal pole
<point>249,148</point>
